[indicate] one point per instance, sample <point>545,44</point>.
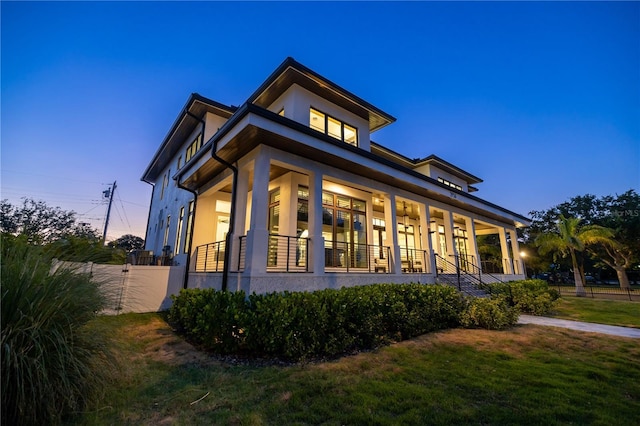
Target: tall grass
<point>53,362</point>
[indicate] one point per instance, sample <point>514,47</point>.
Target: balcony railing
<point>413,260</point>
<point>287,254</point>
<point>284,254</point>
<point>210,257</point>
<point>355,257</point>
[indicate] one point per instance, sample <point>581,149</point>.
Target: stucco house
<point>289,192</point>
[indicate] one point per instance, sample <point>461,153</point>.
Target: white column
<point>391,225</point>
<point>472,244</point>
<point>425,238</point>
<point>316,245</point>
<point>452,252</point>
<point>258,235</point>
<point>240,215</point>
<point>517,261</point>
<point>504,248</point>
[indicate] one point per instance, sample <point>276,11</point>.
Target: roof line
<point>432,157</point>
<point>194,97</point>
<point>290,62</point>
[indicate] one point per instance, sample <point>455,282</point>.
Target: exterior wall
<point>297,100</point>
<point>212,125</point>
<point>173,198</point>
<point>163,205</point>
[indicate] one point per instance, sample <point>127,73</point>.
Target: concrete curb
<point>581,326</point>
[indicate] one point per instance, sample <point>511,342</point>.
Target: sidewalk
<point>582,326</point>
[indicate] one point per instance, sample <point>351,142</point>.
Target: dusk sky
<point>540,100</point>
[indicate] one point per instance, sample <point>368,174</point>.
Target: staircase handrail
<point>481,273</point>
<point>475,281</point>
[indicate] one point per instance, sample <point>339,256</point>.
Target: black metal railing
<point>492,266</point>
<point>413,260</point>
<point>451,273</point>
<point>600,291</point>
<point>287,254</point>
<point>210,257</point>
<point>467,265</point>
<point>356,257</point>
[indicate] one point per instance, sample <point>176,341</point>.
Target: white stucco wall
<point>297,100</point>
<point>174,198</point>
<point>213,123</point>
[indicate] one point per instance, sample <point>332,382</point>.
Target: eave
<point>432,159</point>
<point>292,72</point>
<point>189,117</point>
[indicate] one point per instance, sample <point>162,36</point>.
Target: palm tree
<point>570,239</point>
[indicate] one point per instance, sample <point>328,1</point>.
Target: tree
<point>621,213</point>
<point>570,238</point>
<point>623,216</point>
<point>128,243</point>
<point>41,223</point>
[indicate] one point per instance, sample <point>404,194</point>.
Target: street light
<point>524,265</point>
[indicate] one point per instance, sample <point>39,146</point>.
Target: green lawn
<point>528,375</point>
<point>603,311</point>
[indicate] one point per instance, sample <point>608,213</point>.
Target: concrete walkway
<point>582,326</point>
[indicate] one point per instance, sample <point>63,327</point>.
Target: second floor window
<point>193,148</point>
<point>450,184</point>
<point>333,127</point>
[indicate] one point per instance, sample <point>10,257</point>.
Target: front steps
<point>466,285</point>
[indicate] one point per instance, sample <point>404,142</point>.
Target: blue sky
<point>540,100</point>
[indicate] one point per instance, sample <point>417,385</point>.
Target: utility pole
<point>108,193</point>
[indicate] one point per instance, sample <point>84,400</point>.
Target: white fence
<point>132,288</point>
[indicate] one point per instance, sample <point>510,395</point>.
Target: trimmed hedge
<point>490,313</point>
<point>297,325</point>
<point>528,296</point>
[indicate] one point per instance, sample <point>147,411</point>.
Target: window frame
<point>327,120</point>
<point>449,183</point>
<point>193,148</point>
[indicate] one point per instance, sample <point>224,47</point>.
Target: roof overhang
<point>432,159</point>
<point>190,116</point>
<point>291,72</point>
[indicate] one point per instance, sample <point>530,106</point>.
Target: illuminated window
<point>179,161</point>
<point>344,230</point>
<point>281,113</point>
<point>450,184</point>
<point>179,230</point>
<point>333,127</point>
<point>187,244</point>
<point>350,135</point>
<point>193,148</point>
<point>316,120</point>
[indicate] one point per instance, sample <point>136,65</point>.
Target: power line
<point>124,212</point>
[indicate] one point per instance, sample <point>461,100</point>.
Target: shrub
<point>213,319</point>
<point>529,296</point>
<point>323,323</point>
<point>53,362</point>
<point>490,313</point>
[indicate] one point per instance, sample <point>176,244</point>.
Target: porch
<point>300,225</point>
